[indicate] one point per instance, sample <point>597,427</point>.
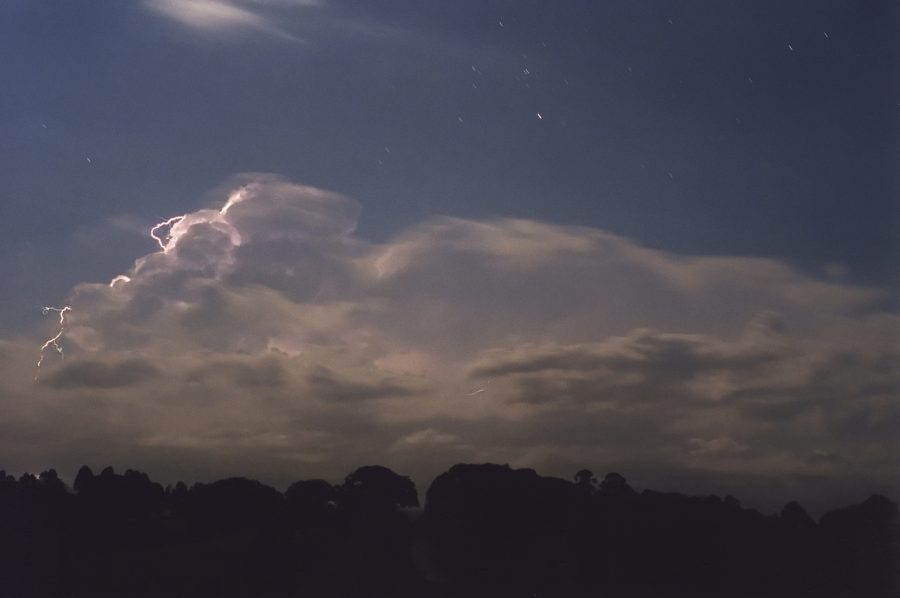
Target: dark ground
<point>486,530</point>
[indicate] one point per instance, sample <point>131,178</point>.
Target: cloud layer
<point>266,335</point>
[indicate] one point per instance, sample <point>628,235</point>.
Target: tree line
<point>485,530</point>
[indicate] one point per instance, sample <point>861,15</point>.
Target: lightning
<point>479,390</point>
<point>163,241</point>
<point>239,196</point>
<point>162,234</point>
<point>118,279</point>
<point>53,341</point>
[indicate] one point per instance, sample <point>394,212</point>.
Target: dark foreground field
<point>485,530</point>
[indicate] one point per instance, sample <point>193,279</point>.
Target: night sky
<point>654,237</point>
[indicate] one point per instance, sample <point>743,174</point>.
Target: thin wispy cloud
<point>228,16</point>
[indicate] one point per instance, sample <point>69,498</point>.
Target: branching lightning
<point>53,341</point>
<point>163,241</point>
<point>162,234</point>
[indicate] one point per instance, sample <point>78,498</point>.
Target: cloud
<point>225,16</point>
<point>97,374</point>
<point>722,444</point>
<point>327,386</point>
<point>265,373</point>
<point>206,14</point>
<point>268,333</point>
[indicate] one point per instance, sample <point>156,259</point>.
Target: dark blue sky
<point>757,128</point>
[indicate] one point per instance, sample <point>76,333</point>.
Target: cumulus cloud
<point>265,332</point>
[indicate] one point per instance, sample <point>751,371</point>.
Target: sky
<point>659,238</point>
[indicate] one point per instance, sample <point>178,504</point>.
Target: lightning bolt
<point>163,241</point>
<point>236,197</point>
<point>53,341</point>
<point>118,279</point>
<point>162,234</point>
<point>480,390</point>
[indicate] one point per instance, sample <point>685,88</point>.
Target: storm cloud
<point>96,374</point>
<point>267,330</point>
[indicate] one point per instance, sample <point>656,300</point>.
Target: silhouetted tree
<point>863,542</point>
<point>487,530</point>
<point>795,517</point>
<point>84,479</point>
<point>380,534</point>
<point>498,531</point>
<point>585,481</point>
<point>311,495</point>
<point>379,488</point>
<point>614,484</point>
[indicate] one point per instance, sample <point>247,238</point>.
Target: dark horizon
<point>481,530</point>
<point>761,499</point>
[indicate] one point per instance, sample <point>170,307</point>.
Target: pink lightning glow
<point>53,341</point>
<point>167,224</point>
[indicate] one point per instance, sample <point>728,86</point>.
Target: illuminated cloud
<point>206,14</point>
<point>223,16</point>
<point>265,331</point>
